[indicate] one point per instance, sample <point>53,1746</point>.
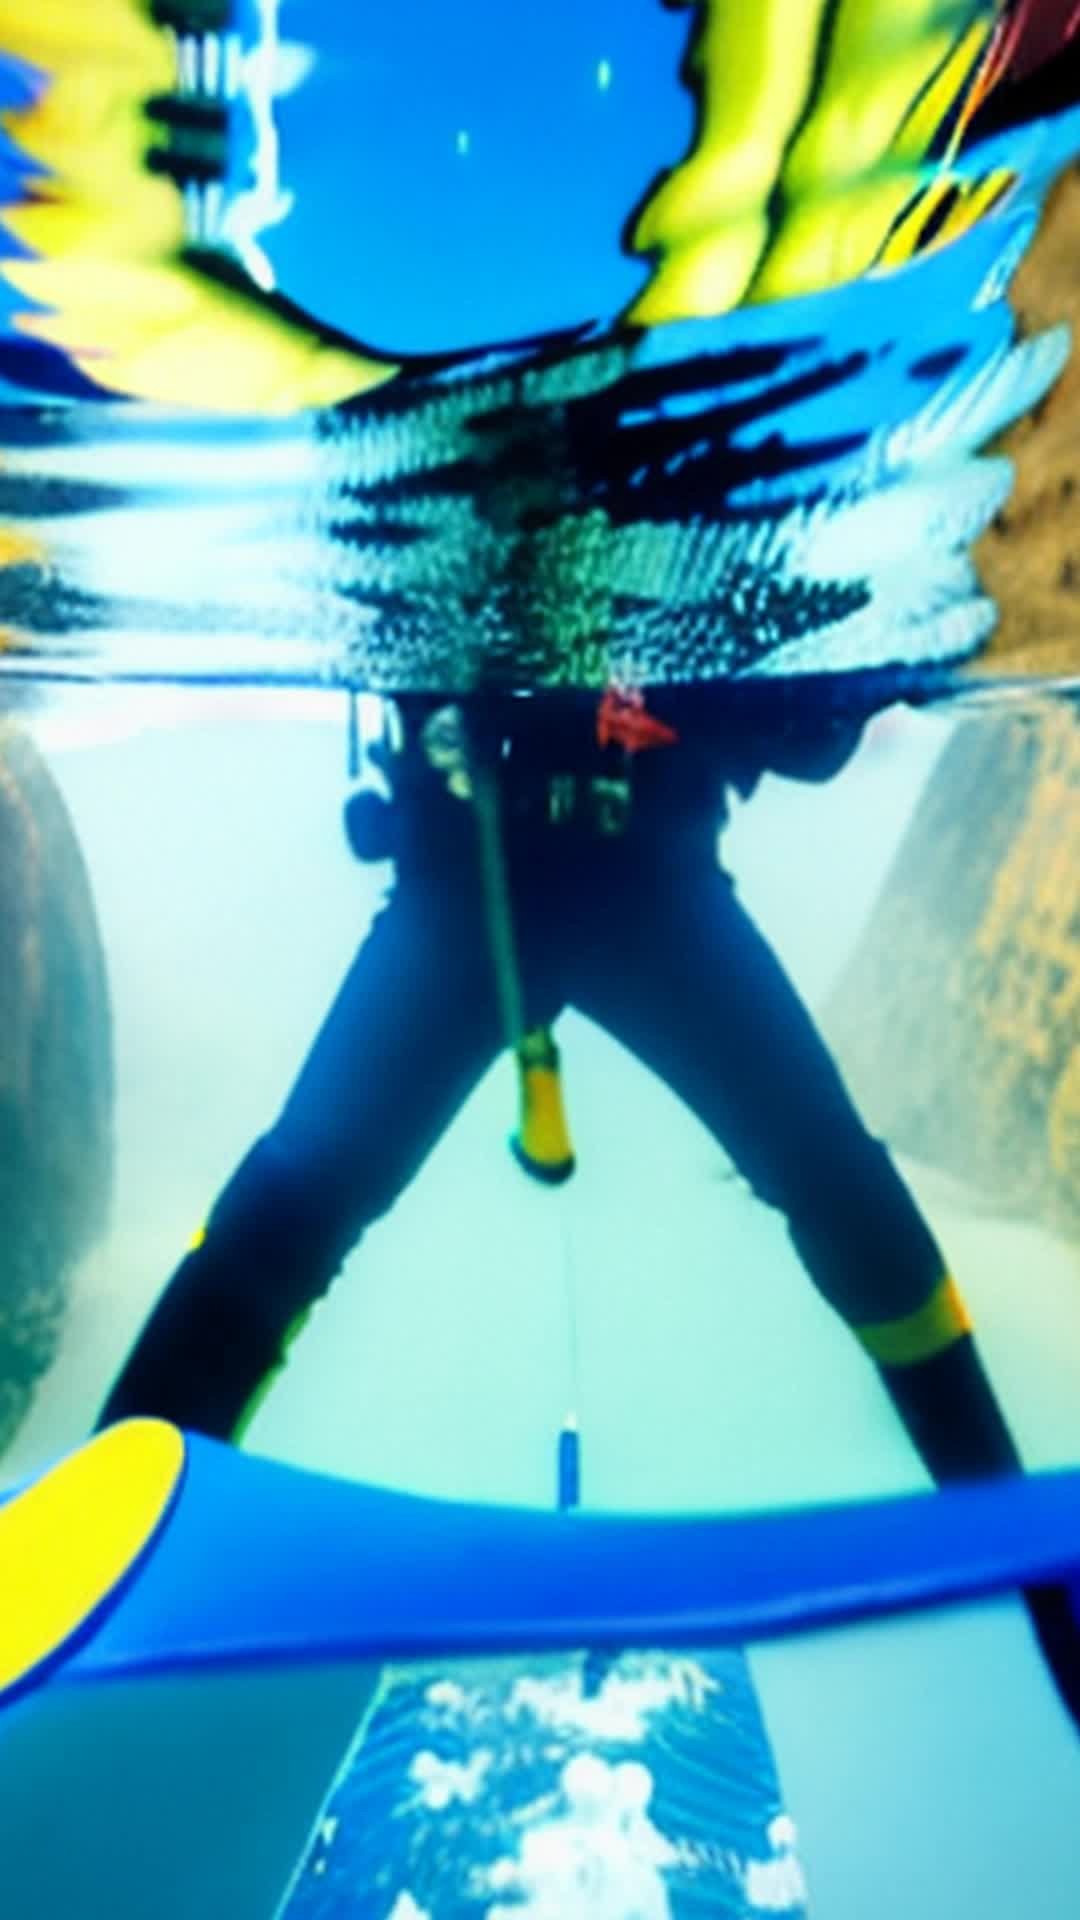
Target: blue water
<point>445,165</point>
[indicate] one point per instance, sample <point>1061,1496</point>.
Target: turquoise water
<point>231,907</point>
<point>927,1765</point>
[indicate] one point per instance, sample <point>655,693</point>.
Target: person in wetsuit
<point>616,904</point>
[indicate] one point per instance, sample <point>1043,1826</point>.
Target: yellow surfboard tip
<point>68,1541</point>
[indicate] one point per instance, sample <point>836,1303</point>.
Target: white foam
<point>623,1706</point>
<point>270,68</point>
<point>600,1860</point>
<point>442,1782</point>
<point>405,1908</point>
<point>448,1695</point>
<point>777,1885</point>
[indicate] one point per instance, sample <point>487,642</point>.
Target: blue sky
<point>462,172</point>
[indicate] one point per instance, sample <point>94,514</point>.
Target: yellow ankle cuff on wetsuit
<point>942,1319</point>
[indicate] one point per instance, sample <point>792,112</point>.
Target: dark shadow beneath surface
<point>185,1799</point>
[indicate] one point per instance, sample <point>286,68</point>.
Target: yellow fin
<point>173,334</point>
<point>753,67</point>
<point>46,31</point>
<point>814,124</point>
<point>116,291</point>
<point>970,200</point>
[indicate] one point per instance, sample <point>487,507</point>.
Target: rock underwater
<point>56,1071</point>
<point>970,1057</point>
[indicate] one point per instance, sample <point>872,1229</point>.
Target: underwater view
<point>540,979</point>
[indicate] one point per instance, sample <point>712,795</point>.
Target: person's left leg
<point>677,972</point>
<point>412,1029</point>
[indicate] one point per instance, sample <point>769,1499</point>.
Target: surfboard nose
<point>71,1540</point>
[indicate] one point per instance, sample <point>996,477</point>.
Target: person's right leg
<point>699,996</point>
<point>413,1028</point>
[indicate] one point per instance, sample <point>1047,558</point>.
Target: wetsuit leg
<point>676,970</point>
<point>413,1028</point>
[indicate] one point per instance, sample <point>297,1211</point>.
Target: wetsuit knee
<point>220,1332</point>
<point>862,1237</point>
<point>275,1239</point>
